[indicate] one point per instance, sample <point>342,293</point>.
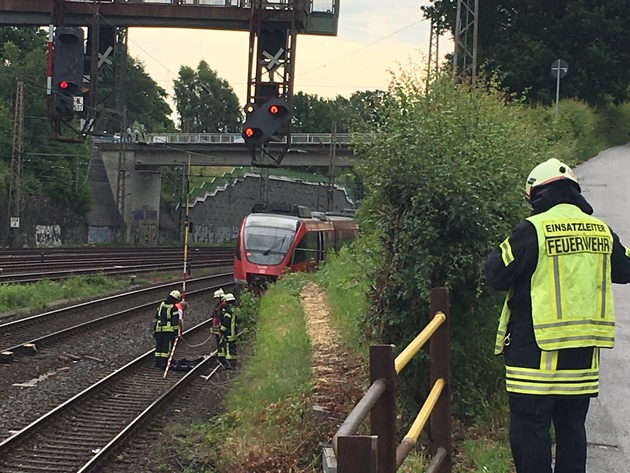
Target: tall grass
<point>344,278</point>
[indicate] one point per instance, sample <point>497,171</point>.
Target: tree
<point>144,101</point>
<point>205,102</point>
<point>522,39</point>
<point>314,114</point>
<point>367,108</point>
<point>23,56</point>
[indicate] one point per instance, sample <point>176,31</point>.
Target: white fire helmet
<point>229,297</point>
<point>546,173</point>
<point>218,294</point>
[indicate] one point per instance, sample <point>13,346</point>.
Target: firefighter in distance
<point>169,324</point>
<point>228,333</point>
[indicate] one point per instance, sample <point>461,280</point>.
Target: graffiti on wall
<point>145,233</point>
<point>144,213</point>
<point>47,235</point>
<point>100,235</point>
<point>211,234</point>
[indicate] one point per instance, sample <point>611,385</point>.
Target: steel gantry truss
<point>433,60</point>
<point>272,64</point>
<point>465,56</point>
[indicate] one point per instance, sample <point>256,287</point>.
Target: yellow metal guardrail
<point>378,451</point>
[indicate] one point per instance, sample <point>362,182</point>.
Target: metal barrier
<point>378,452</point>
<point>229,138</point>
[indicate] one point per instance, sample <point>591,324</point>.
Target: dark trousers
<point>531,418</point>
<point>226,352</point>
<point>163,343</point>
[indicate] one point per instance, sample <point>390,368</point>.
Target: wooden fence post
<point>357,453</point>
<point>383,414</point>
<point>440,352</point>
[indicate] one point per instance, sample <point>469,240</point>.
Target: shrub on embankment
<point>444,179</point>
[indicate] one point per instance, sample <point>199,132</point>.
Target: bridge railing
<point>227,138</point>
<point>378,451</point>
<point>323,6</point>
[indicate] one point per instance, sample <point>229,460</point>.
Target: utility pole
<point>263,189</point>
<point>331,169</point>
<point>15,187</point>
<point>465,56</point>
<point>119,82</point>
<point>433,62</point>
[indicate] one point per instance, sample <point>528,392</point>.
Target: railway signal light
<point>68,65</point>
<point>265,121</point>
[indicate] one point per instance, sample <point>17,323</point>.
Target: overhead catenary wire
<point>360,49</point>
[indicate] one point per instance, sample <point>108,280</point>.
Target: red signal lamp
<point>274,110</point>
<point>248,132</point>
<point>63,84</point>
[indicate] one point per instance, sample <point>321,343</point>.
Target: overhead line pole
<point>186,228</point>
<point>15,187</point>
<point>465,54</point>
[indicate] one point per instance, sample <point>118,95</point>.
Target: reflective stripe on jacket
<point>548,380</point>
<point>502,333</point>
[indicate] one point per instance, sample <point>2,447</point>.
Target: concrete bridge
<point>228,149</point>
<point>125,171</point>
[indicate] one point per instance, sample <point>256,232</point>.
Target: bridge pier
<point>136,194</point>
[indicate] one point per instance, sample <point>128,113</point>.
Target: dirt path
<point>335,374</point>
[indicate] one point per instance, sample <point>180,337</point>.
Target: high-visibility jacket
<point>571,288</point>
<point>228,327</point>
<point>558,278</point>
<point>572,300</point>
<point>167,318</point>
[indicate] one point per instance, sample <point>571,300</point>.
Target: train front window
<point>266,245</point>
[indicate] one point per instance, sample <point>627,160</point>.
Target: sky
<point>373,39</point>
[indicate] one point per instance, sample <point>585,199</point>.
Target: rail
<point>378,452</point>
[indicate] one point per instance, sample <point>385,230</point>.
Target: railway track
<point>24,266</point>
<point>25,336</point>
<point>84,433</point>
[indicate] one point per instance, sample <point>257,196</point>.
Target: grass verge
<point>23,298</point>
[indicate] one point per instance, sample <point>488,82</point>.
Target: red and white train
<point>276,239</point>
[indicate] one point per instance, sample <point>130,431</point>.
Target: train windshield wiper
<point>276,245</point>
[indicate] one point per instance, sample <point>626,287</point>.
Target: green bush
<point>614,125</point>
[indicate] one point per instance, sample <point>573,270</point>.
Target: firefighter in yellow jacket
<point>557,267</point>
<point>169,324</point>
<point>228,333</point>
